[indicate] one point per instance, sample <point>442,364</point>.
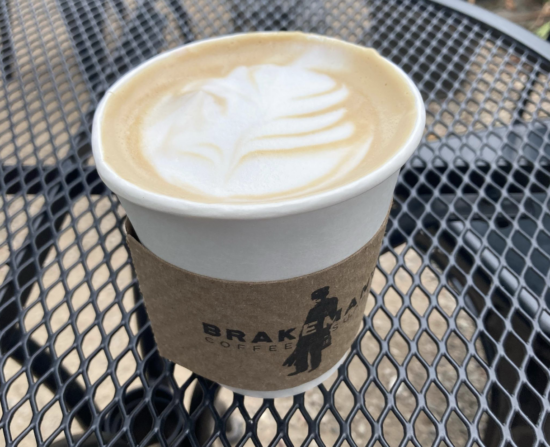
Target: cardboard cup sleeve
<point>263,336</point>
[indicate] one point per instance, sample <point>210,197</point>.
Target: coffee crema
<point>257,118</point>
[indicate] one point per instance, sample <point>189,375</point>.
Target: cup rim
<point>180,206</point>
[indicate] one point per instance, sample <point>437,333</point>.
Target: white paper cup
<point>264,241</point>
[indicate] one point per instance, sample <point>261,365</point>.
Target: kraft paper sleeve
<point>262,336</point>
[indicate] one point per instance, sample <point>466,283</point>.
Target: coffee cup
<point>261,251</point>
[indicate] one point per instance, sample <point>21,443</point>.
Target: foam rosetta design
<point>261,131</point>
<point>255,118</point>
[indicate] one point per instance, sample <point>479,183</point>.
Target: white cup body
<point>264,249</point>
<point>260,242</point>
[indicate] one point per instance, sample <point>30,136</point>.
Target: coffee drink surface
<point>257,118</point>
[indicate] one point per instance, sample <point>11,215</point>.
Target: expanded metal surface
<point>455,348</point>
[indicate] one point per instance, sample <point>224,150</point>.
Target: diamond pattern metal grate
<point>455,348</point>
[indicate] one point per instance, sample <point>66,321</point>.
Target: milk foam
<point>262,130</point>
<point>255,118</point>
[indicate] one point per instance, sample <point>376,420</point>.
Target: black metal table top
<point>455,347</point>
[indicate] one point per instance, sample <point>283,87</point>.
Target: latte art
<point>262,130</point>
<point>258,117</point>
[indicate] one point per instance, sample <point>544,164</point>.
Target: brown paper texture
<point>262,336</point>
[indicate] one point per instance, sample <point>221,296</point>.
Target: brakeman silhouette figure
<point>315,333</point>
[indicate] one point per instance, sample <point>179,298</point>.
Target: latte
<point>257,118</point>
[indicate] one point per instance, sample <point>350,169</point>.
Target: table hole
<point>378,281</point>
<point>514,349</point>
<point>125,368</point>
<point>424,430</point>
<point>80,296</point>
<point>105,296</point>
<point>97,367</point>
<point>392,301</point>
<point>330,429</point>
<point>107,223</point>
<point>507,375</point>
<point>494,325</point>
<point>438,324</point>
<point>119,341</point>
<point>439,208</point>
<point>413,261</point>
<point>71,361</point>
<point>482,280</point>
<point>387,373</point>
<point>381,323</point>
<point>20,419</point>
<point>64,340</point>
<point>50,421</point>
<point>252,405</point>
<point>85,318</point>
<point>104,393</point>
<point>313,401</point>
<point>522,325</point>
<point>95,257</point>
<point>403,281</point>
<point>446,301</point>
<point>91,341</point>
<point>429,280</point>
<point>456,348</point>
<point>409,324</point>
<point>522,432</point>
<point>370,347</point>
<point>522,243</point>
<point>530,404</point>
<point>540,261</point>
<point>399,348</point>
<point>282,405</point>
<point>328,383</point>
<point>142,421</point>
<point>33,316</point>
<point>85,221</point>
<point>457,430</point>
<point>436,401</point>
<point>113,240</point>
<point>343,400</point>
<point>501,301</point>
<point>387,261</point>
<point>416,373</point>
<point>235,426</point>
<point>392,430</point>
<point>75,276</point>
<point>182,375</point>
<point>465,324</point>
<point>405,401</point>
<point>111,319</point>
<point>415,207</point>
<point>402,192</point>
<point>422,241</point>
<point>427,348</point>
<point>467,402</point>
<point>439,260</point>
<point>88,240</point>
<point>118,257</point>
<point>16,390</point>
<point>357,373</point>
<point>361,430</point>
<point>486,421</point>
<point>55,295</point>
<point>515,261</point>
<point>537,376</point>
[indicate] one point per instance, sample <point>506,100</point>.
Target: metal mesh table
<point>455,347</point>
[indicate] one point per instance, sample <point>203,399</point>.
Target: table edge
<point>516,32</point>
